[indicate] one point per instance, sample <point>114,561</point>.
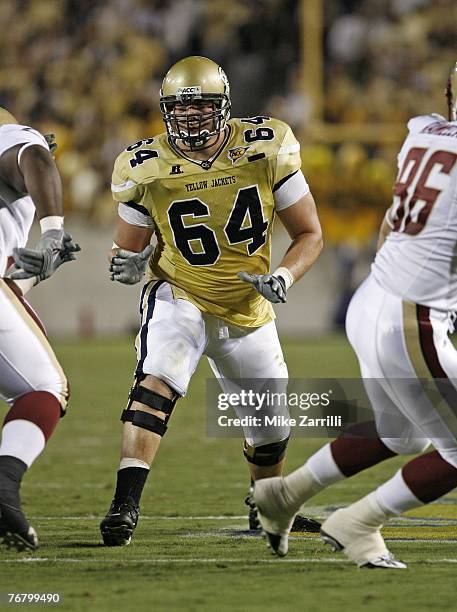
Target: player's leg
<point>256,357</point>
<point>356,529</point>
<point>145,423</point>
<point>429,402</point>
<point>362,445</point>
<point>169,345</point>
<point>36,389</point>
<point>358,448</point>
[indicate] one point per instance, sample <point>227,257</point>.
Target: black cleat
<point>301,524</point>
<point>15,531</point>
<point>274,542</point>
<point>119,524</point>
<point>304,524</point>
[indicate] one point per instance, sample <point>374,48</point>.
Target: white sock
<point>395,495</point>
<point>318,472</point>
<point>128,462</point>
<point>22,439</point>
<point>323,467</point>
<point>369,511</point>
<point>300,486</point>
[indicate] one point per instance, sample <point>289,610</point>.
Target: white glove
<point>129,267</point>
<point>273,288</point>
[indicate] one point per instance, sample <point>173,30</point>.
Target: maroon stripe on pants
<point>429,476</point>
<point>426,342</point>
<point>18,293</point>
<point>430,354</point>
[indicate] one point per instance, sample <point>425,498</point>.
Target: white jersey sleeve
<point>135,214</point>
<point>12,135</point>
<point>291,190</point>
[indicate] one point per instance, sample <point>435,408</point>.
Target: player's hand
<point>67,251</point>
<point>54,248</point>
<point>51,140</point>
<point>273,288</point>
<point>129,267</point>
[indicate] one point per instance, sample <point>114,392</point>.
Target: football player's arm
<point>302,224</point>
<point>130,252</point>
<point>130,237</point>
<point>295,207</point>
<point>42,181</point>
<point>31,169</point>
<point>134,226</point>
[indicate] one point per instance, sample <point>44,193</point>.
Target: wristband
<point>286,275</point>
<point>52,222</point>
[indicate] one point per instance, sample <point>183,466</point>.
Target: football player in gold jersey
<point>209,189</point>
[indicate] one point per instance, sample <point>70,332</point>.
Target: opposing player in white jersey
<point>398,324</point>
<point>31,380</point>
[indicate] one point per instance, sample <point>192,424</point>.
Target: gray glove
<point>129,267</point>
<point>54,248</point>
<point>273,288</point>
<point>67,251</point>
<point>51,140</point>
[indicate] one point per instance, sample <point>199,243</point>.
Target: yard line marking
<point>100,485</point>
<point>195,560</point>
<point>59,485</point>
<point>92,517</point>
<point>172,560</point>
<point>421,540</point>
<point>305,537</point>
<point>406,522</point>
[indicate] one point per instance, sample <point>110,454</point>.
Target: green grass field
<point>190,551</point>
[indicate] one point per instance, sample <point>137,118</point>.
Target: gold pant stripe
<point>414,347</point>
<point>34,328</point>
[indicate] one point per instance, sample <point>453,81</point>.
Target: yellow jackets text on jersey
<point>214,219</point>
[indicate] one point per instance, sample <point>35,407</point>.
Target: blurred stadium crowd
<point>90,71</point>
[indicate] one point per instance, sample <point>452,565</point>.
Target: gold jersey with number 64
<point>212,218</point>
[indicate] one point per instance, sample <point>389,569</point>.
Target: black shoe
<point>301,524</point>
<point>15,531</point>
<point>119,524</point>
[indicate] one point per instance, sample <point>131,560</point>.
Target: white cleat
<point>361,543</point>
<point>274,512</point>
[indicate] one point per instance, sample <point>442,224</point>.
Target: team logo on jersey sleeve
<point>237,153</point>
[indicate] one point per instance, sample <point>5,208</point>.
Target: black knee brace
<point>146,420</point>
<point>267,454</point>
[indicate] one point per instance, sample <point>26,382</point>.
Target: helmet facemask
<point>195,129</point>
